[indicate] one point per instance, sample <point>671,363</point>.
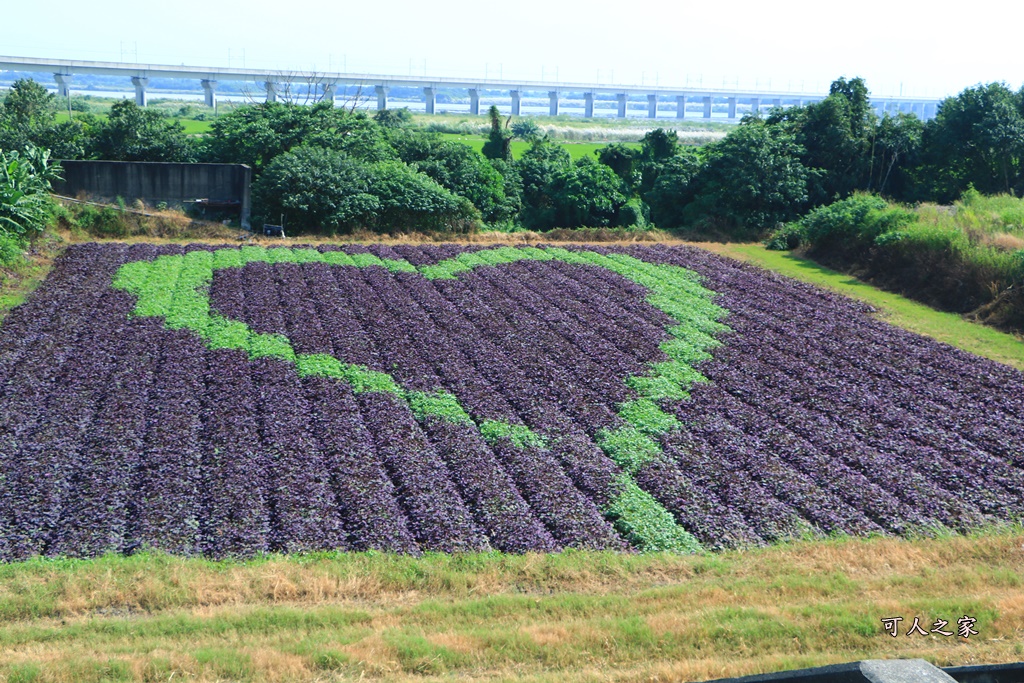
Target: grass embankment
<point>948,328</point>
<point>573,616</point>
<point>966,258</point>
<point>20,276</point>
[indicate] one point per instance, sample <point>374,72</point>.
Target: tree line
<point>332,170</point>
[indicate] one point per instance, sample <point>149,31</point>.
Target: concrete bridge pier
<point>63,84</point>
<point>271,89</point>
<point>474,101</point>
<point>799,103</point>
<point>553,103</point>
<point>621,97</point>
<point>652,106</point>
<point>517,98</point>
<point>732,107</point>
<point>755,105</point>
<point>777,102</point>
<point>588,105</point>
<point>429,99</point>
<point>330,92</point>
<point>140,84</point>
<point>382,96</point>
<point>680,106</point>
<point>707,107</point>
<point>209,92</point>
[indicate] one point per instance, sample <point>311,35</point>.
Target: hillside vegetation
<point>966,258</point>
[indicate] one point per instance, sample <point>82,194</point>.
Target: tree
<point>836,137</point>
<point>29,104</point>
<point>132,133</point>
<point>499,140</point>
<point>393,118</point>
<point>624,162</point>
<point>858,98</point>
<point>537,169</point>
<point>526,129</point>
<point>659,145</point>
<point>28,118</point>
<point>750,182</point>
<point>896,151</point>
<point>673,189</point>
<point>256,134</point>
<point>976,138</point>
<point>460,169</point>
<point>586,194</point>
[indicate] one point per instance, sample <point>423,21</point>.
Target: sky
<point>913,48</point>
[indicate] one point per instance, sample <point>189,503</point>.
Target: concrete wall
<point>154,182</point>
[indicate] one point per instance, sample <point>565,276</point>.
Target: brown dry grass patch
<point>541,617</point>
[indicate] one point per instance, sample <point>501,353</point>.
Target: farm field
<point>226,402</point>
<point>948,328</point>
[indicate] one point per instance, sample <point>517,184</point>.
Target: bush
<point>322,190</point>
<point>789,236</point>
<point>102,221</point>
<point>852,225</point>
<point>12,250</point>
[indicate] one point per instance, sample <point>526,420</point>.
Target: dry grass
<point>570,617</point>
<point>1005,241</point>
<point>19,280</point>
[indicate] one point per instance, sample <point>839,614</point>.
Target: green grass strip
<point>520,436</point>
<point>176,288</point>
<point>645,523</point>
<point>630,448</point>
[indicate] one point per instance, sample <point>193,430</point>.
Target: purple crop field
<point>229,402</point>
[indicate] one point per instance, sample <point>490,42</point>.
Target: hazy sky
<point>926,49</point>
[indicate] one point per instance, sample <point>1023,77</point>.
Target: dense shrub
<point>12,250</point>
<point>317,189</point>
<point>968,258</point>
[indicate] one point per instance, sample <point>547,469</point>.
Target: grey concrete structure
<point>140,84</point>
<point>429,99</point>
<point>588,105</point>
<point>330,92</point>
<point>153,182</point>
<point>652,106</point>
<point>271,89</point>
<point>755,105</point>
<point>474,101</point>
<point>209,92</point>
<point>680,106</point>
<point>63,71</point>
<point>63,84</point>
